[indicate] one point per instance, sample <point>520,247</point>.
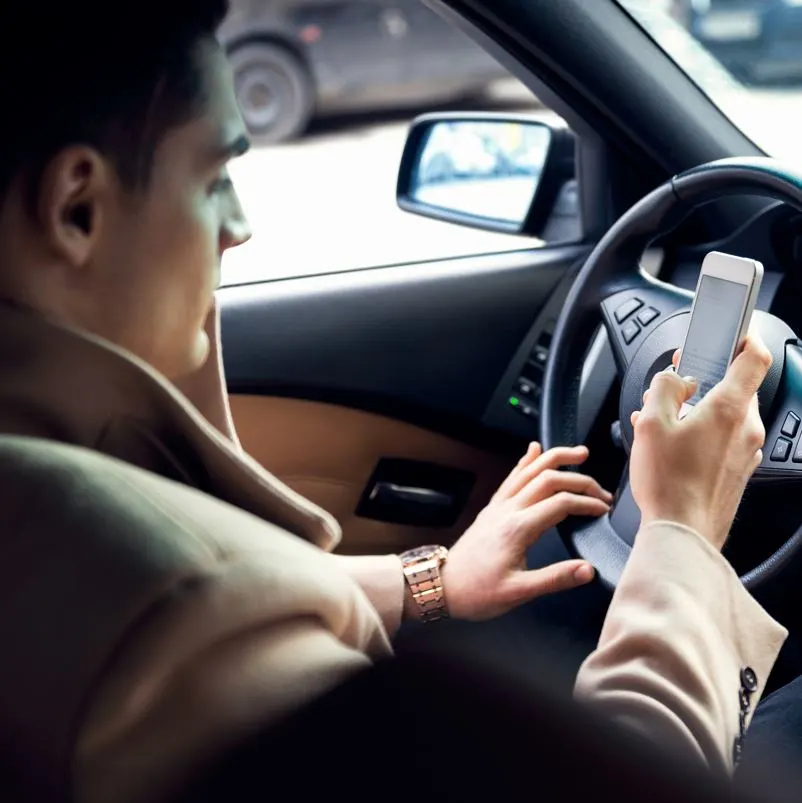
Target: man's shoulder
<point>83,495</point>
<point>107,570</point>
<point>89,545</point>
<point>97,501</point>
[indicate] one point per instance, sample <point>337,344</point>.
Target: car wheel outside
<point>275,92</point>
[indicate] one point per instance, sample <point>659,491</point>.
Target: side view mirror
<point>504,173</point>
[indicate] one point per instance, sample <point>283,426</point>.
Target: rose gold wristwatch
<point>422,573</point>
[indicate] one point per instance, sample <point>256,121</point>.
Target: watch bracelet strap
<point>426,584</point>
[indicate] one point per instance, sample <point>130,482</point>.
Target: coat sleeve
<point>683,643</point>
<point>201,674</point>
<point>381,577</point>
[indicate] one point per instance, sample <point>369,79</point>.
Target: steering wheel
<point>645,321</point>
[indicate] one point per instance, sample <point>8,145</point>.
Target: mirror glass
<point>488,168</point>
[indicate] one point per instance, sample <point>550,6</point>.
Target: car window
<point>746,55</point>
<point>328,90</point>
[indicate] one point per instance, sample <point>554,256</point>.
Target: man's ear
<point>72,192</point>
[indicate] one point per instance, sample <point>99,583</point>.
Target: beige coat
<point>162,594</point>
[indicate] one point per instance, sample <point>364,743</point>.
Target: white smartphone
<point>726,295</point>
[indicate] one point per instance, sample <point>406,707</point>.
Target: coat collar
<point>65,385</point>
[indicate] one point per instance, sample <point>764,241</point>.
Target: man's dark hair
<point>113,74</point>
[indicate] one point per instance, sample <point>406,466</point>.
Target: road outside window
<point>319,188</point>
<point>328,88</point>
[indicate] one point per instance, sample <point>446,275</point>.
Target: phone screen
<point>715,324</point>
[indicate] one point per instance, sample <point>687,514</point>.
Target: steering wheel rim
<point>610,279</point>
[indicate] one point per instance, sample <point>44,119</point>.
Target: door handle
<point>393,494</point>
<point>415,493</point>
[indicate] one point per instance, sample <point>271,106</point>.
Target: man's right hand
<point>693,471</point>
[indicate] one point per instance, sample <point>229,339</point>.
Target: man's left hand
<point>486,573</point>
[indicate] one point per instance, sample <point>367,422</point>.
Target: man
<point>185,595</point>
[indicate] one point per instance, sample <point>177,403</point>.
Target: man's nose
<point>237,229</point>
<point>236,232</point>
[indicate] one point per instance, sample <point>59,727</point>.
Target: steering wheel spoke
<point>630,315</point>
<point>607,541</point>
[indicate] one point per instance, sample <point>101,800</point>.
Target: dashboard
<point>774,237</point>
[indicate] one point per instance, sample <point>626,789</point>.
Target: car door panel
<point>433,337</point>
<point>328,375</point>
<point>328,454</point>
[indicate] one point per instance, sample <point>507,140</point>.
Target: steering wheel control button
<point>630,331</point>
<point>527,389</point>
<point>530,411</point>
<point>540,356</point>
<point>749,679</point>
<point>790,425</point>
<point>627,308</point>
<point>523,406</point>
<point>647,316</point>
<point>781,450</point>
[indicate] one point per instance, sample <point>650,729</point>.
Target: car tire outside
<point>275,91</point>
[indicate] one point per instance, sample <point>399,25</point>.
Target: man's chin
<point>192,361</point>
<point>201,352</point>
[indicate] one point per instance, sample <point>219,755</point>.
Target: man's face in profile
<point>167,246</point>
<point>139,266</point>
<point>163,250</point>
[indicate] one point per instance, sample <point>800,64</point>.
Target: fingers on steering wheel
<point>554,458</point>
<point>535,520</point>
<point>552,481</point>
<point>534,450</point>
<point>562,576</point>
<point>532,453</point>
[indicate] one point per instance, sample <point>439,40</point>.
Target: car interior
<point>398,397</point>
<point>384,394</point>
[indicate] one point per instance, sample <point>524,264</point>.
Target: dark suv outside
<point>297,59</point>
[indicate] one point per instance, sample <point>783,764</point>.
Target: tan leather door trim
<point>328,453</point>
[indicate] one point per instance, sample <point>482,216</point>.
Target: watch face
<point>421,553</point>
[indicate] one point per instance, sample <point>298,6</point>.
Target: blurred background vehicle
<point>341,169</point>
<point>294,60</point>
<point>757,40</point>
